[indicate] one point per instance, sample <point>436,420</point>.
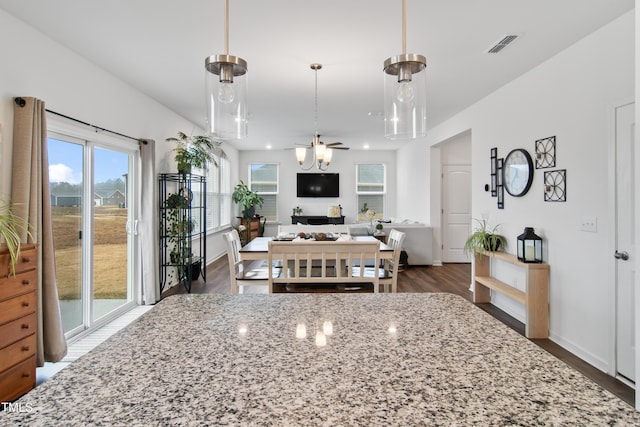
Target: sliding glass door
<point>92,185</point>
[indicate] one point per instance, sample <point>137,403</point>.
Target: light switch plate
<point>589,223</point>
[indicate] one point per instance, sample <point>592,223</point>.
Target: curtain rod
<point>21,103</point>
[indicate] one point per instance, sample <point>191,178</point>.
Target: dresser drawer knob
<point>26,375</point>
<point>25,303</point>
<point>25,326</point>
<point>26,259</point>
<point>25,281</point>
<point>25,348</point>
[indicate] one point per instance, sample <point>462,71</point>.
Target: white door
<point>456,211</point>
<point>625,244</point>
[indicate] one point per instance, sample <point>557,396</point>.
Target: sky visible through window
<point>66,161</point>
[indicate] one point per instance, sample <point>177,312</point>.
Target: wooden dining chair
<point>388,272</point>
<point>245,273</point>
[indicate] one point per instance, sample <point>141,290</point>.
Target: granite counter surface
<point>318,360</point>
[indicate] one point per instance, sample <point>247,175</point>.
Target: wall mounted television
<point>318,185</point>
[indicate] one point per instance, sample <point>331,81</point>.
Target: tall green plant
<point>11,229</point>
<point>246,198</point>
<point>194,151</point>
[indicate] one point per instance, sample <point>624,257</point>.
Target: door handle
<point>624,255</point>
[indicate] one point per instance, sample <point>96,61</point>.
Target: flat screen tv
<point>318,185</point>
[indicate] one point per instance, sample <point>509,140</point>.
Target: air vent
<point>502,43</point>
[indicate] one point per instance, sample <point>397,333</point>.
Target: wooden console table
<point>316,219</point>
<point>535,297</point>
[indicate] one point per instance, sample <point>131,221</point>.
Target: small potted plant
<point>11,227</point>
<point>484,238</point>
<point>247,199</point>
<point>194,151</point>
<point>379,228</point>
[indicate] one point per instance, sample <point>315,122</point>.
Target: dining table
<point>258,248</point>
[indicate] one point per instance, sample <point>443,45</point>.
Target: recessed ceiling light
<point>268,147</point>
<point>365,146</point>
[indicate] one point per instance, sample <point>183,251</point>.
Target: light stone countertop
<point>399,359</point>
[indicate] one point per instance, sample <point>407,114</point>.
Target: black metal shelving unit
<point>182,230</point>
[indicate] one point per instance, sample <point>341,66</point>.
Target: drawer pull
<point>25,281</point>
<point>26,259</point>
<point>25,303</point>
<point>25,326</point>
<point>25,348</point>
<point>26,375</point>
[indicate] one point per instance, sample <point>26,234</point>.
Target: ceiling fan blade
<point>339,148</point>
<point>333,144</point>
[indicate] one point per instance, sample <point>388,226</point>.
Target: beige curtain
<point>148,230</point>
<point>31,200</point>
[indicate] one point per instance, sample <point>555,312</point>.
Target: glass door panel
<point>111,213</point>
<point>66,165</point>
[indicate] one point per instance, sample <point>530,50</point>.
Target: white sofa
<point>326,228</point>
<point>418,241</point>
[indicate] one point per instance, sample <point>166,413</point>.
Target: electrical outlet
<point>589,223</point>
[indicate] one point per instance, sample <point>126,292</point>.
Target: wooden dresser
<point>18,322</point>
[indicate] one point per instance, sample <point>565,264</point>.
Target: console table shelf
<point>535,297</point>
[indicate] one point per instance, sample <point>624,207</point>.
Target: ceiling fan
<point>322,153</point>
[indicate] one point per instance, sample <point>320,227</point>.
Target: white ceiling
<point>159,47</point>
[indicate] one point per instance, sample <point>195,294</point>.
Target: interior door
<point>456,211</point>
<point>625,244</point>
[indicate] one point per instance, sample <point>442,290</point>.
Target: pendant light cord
<point>404,27</point>
<point>316,101</point>
<point>226,27</point>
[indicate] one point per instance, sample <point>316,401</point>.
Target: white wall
<point>34,65</point>
<point>343,163</point>
<point>568,96</point>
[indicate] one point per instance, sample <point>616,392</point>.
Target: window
<point>263,179</point>
<point>218,193</point>
<point>370,188</point>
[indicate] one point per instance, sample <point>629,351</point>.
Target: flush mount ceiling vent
<point>502,43</point>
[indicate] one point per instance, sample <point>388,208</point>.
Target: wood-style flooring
<point>452,278</point>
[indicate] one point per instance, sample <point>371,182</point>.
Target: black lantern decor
<point>529,246</point>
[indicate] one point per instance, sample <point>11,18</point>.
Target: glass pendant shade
<point>328,155</point>
<point>301,153</point>
<point>226,89</point>
<point>405,97</point>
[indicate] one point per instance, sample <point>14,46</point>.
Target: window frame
<point>275,193</point>
<point>379,215</point>
<point>218,175</point>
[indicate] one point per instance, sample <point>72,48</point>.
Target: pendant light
<point>226,81</point>
<point>322,154</point>
<point>405,99</point>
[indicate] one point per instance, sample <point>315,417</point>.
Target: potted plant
<point>194,151</point>
<point>178,229</point>
<point>247,199</point>
<point>484,238</point>
<point>11,227</point>
<point>379,228</point>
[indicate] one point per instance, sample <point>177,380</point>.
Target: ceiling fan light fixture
<point>322,154</point>
<point>226,90</point>
<point>405,95</point>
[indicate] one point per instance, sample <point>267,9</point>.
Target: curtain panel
<point>148,230</point>
<point>31,200</point>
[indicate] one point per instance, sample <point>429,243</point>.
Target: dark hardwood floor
<point>452,278</point>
